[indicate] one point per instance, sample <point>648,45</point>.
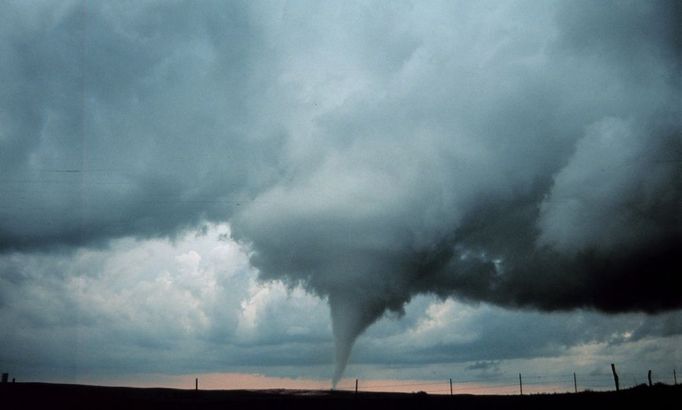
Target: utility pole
<point>196,383</point>
<point>675,376</point>
<point>520,384</point>
<point>356,386</point>
<point>648,376</point>
<point>450,387</point>
<point>615,376</point>
<point>575,383</point>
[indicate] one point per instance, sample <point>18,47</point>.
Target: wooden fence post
<point>520,384</point>
<point>615,376</point>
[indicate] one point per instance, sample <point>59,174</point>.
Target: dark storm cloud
<point>512,169</point>
<point>124,120</point>
<point>152,306</point>
<point>525,154</point>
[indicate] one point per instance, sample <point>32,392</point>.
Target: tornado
<point>523,154</point>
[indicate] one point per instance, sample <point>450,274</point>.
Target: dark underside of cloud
<point>524,154</point>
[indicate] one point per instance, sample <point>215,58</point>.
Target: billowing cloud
<point>144,308</point>
<point>524,154</point>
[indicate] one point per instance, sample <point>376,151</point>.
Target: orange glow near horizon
<point>250,381</point>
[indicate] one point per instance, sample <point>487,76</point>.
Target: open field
<point>57,396</point>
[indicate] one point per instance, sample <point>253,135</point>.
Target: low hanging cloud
<point>525,154</point>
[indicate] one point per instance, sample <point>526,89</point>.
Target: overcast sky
<point>420,190</point>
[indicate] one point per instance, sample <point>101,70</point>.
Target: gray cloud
<point>123,120</point>
<point>194,306</point>
<point>521,154</point>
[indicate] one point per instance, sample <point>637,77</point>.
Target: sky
<point>302,193</point>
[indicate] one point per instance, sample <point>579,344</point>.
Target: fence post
<point>648,376</point>
<point>575,383</point>
<point>520,384</point>
<point>615,376</point>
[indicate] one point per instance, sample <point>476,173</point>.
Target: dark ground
<point>69,396</point>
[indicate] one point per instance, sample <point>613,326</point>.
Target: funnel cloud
<point>524,154</point>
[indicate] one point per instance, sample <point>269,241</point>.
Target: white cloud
<point>157,305</point>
